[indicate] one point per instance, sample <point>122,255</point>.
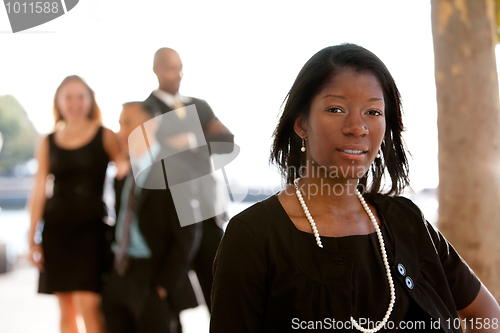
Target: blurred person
<point>332,250</point>
<point>167,67</point>
<point>152,252</point>
<point>71,256</point>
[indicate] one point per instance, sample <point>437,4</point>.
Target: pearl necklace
<point>382,249</point>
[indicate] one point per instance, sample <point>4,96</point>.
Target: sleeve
<point>205,113</point>
<point>463,283</point>
<point>239,288</point>
<point>214,143</point>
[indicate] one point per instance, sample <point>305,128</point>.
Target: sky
<point>242,58</point>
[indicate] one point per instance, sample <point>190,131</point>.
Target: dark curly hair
<point>317,72</point>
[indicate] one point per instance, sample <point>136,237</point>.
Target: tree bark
<point>464,34</point>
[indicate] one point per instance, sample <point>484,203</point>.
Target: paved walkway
<point>22,310</point>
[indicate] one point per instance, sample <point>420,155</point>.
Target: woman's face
<point>74,101</point>
<point>346,124</point>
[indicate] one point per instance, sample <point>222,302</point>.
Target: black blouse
<point>271,277</point>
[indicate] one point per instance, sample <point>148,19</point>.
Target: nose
<point>355,125</point>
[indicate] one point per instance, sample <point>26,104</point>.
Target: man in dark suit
<point>168,69</point>
<point>146,288</point>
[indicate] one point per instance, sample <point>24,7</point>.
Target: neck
<point>331,185</point>
<point>78,125</point>
<point>331,192</point>
<point>169,91</point>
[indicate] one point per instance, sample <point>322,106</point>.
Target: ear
<point>300,127</point>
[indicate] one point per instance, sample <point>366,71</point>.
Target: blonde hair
<point>95,111</point>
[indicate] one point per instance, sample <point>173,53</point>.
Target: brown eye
<point>375,113</point>
<point>334,110</point>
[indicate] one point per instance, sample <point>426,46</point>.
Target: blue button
<point>402,269</point>
<point>409,282</point>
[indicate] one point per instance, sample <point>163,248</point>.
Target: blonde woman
<point>71,256</point>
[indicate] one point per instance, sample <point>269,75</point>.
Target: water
<point>15,224</point>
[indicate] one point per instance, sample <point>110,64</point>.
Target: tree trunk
<point>468,126</point>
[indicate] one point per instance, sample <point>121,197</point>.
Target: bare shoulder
<point>42,155</point>
<point>108,134</point>
<point>109,139</point>
<point>42,146</point>
<point>44,141</point>
<point>115,152</point>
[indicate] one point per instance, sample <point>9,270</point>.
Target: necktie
<point>121,256</point>
<point>180,110</point>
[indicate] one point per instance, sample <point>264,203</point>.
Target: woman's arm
<point>479,312</point>
<point>483,314</point>
<point>37,201</point>
<point>112,147</point>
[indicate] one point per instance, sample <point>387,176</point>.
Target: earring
<point>379,155</point>
<point>303,149</point>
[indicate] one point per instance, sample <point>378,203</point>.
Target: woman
<point>71,257</point>
<point>320,255</point>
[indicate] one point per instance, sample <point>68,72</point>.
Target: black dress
<point>271,277</point>
<point>73,237</point>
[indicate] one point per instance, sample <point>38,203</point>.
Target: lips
<point>76,112</point>
<point>349,151</point>
<point>353,152</point>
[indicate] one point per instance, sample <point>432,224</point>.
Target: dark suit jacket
<point>172,247</point>
<point>205,113</point>
<point>196,160</point>
<point>198,163</point>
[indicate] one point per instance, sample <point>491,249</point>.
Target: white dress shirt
<point>170,99</point>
